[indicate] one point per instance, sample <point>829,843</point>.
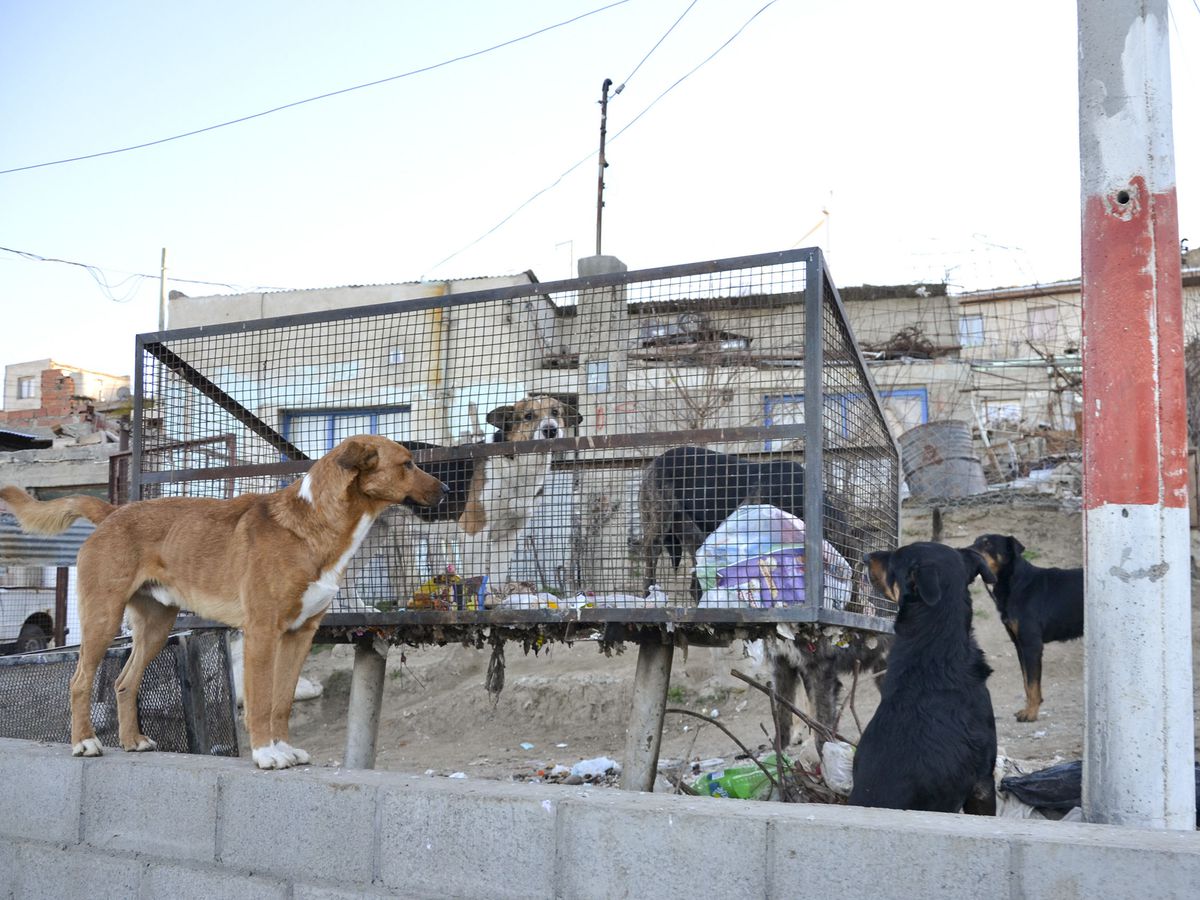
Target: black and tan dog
<point>931,744</point>
<point>1035,604</point>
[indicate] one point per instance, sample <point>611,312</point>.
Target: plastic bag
<point>837,766</point>
<point>756,558</point>
<point>1060,788</point>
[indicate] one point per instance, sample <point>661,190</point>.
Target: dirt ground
<point>571,703</point>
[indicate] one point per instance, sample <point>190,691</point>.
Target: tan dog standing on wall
<point>269,564</point>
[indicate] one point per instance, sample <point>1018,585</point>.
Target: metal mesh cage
<point>619,442</point>
<point>186,702</point>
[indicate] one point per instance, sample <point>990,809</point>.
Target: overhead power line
<point>325,96</point>
<point>100,275</point>
<point>657,43</point>
<point>625,128</point>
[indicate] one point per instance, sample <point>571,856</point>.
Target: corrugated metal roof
<point>21,440</point>
<point>20,549</point>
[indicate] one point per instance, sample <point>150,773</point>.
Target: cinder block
<point>316,892</point>
<point>304,824</point>
<point>42,799</point>
<point>452,838</point>
<point>1076,860</point>
<point>612,844</point>
<point>46,872</point>
<point>851,853</point>
<point>166,880</point>
<point>163,804</point>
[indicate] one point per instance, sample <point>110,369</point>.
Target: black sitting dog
<point>1035,604</point>
<point>931,744</point>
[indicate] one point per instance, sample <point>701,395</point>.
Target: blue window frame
<point>317,431</point>
<point>774,405</point>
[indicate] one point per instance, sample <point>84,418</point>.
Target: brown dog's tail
<point>53,516</point>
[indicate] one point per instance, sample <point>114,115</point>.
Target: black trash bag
<point>1060,788</point>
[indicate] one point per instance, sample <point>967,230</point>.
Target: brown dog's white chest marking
<point>320,593</point>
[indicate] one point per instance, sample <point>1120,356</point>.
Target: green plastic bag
<point>742,782</point>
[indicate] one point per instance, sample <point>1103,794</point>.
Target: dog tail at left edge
<point>53,516</point>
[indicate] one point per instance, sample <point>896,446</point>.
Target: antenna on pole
<point>603,162</point>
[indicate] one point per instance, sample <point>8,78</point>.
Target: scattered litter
<point>560,746</point>
<point>594,768</point>
<point>715,713</point>
<point>430,772</point>
<point>525,745</point>
<point>458,775</point>
<point>1039,734</point>
<point>530,600</point>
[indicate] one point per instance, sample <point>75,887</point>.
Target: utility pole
<point>603,162</point>
<point>1139,731</point>
<point>162,291</point>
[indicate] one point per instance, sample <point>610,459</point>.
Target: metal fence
<point>186,702</point>
<point>684,444</point>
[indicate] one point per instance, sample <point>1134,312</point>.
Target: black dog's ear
<point>502,417</point>
<point>976,565</point>
<point>571,417</point>
<point>1016,548</point>
<point>926,584</point>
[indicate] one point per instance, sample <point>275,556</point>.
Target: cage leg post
<point>366,697</point>
<point>643,735</point>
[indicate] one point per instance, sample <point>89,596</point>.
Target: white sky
<point>942,136</point>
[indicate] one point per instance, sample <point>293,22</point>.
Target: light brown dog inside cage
<point>267,563</point>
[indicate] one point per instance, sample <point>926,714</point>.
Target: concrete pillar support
<point>366,698</point>
<point>1138,739</point>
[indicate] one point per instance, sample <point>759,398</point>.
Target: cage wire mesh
<point>185,703</point>
<point>625,441</point>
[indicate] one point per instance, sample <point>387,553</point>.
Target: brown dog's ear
<point>502,417</point>
<point>358,456</point>
<point>976,565</point>
<point>926,584</point>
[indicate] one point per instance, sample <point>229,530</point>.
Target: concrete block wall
<point>163,825</point>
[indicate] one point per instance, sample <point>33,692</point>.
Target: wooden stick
<point>730,734</point>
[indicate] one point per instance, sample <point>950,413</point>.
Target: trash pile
<point>805,777</point>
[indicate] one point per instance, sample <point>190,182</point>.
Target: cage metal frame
<point>819,292</point>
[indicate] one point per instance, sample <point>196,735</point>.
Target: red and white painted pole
<point>1138,743</point>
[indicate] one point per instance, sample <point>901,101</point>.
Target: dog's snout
<point>549,431</point>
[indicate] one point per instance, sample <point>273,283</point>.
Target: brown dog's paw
<point>140,744</point>
<point>1026,715</point>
